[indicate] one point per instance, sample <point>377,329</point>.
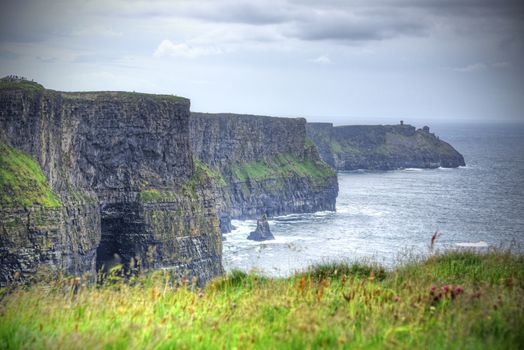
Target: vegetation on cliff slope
<point>202,175</point>
<point>284,165</point>
<point>457,300</point>
<point>22,183</point>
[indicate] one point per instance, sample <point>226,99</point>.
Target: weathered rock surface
<point>381,147</point>
<point>121,166</point>
<point>262,165</point>
<point>262,232</point>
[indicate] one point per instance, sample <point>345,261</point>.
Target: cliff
<point>382,147</point>
<point>90,177</point>
<point>264,165</point>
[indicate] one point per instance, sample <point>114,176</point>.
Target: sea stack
<point>262,233</point>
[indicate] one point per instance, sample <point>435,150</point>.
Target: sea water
<point>390,216</point>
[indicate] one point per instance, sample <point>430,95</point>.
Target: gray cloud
<point>417,51</point>
<point>489,8</point>
<point>360,20</point>
<point>255,13</point>
<point>350,27</point>
<point>308,20</point>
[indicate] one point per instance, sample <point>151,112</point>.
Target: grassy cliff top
<point>126,95</point>
<point>246,117</point>
<point>20,83</point>
<point>22,183</point>
<point>458,300</point>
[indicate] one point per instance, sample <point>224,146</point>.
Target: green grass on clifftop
<point>22,183</point>
<point>11,83</point>
<point>458,300</point>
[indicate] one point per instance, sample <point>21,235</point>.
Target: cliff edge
<point>90,176</point>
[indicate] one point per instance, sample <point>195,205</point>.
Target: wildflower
<point>458,290</point>
<point>234,306</point>
<point>200,295</point>
<point>396,298</point>
<point>445,288</point>
<point>432,289</point>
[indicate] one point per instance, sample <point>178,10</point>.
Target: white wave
<point>323,213</point>
<point>242,226</point>
<point>301,216</point>
<point>412,169</point>
<point>288,216</point>
<point>479,244</point>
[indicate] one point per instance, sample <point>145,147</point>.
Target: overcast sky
<point>344,61</point>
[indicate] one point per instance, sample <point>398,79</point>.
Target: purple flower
<point>445,288</point>
<point>458,290</point>
<point>234,305</point>
<point>396,298</point>
<point>432,289</point>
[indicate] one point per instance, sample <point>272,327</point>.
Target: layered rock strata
<point>118,178</point>
<point>262,165</point>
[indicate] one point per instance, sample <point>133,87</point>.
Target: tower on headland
<point>401,122</point>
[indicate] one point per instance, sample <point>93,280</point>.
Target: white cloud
<point>168,48</point>
<point>323,59</point>
<point>475,67</point>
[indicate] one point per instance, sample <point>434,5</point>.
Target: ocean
<point>389,216</point>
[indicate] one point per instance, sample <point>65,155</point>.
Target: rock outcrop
<point>89,175</point>
<point>382,147</point>
<point>262,165</point>
<point>262,232</point>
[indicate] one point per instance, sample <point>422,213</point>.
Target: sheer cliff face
<point>382,147</point>
<point>123,175</point>
<point>265,165</point>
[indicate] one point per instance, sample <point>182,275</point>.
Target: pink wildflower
<point>432,289</point>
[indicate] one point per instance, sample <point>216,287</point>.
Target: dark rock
<point>382,147</point>
<point>121,165</point>
<point>262,233</point>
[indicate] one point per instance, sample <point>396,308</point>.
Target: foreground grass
<point>455,300</point>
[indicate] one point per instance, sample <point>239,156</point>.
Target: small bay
<point>387,217</point>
